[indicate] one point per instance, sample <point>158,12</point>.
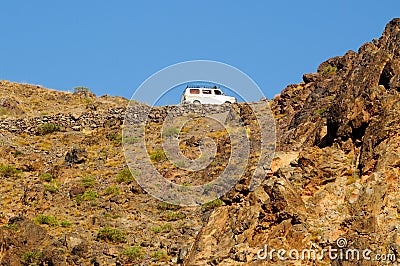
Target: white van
<point>203,95</point>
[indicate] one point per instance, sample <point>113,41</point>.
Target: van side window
<point>217,92</point>
<point>194,91</point>
<point>206,91</point>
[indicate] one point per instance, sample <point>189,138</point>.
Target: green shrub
<point>51,221</point>
<point>103,155</point>
<point>158,155</point>
<point>156,229</point>
<point>329,70</point>
<point>168,206</point>
<point>47,128</point>
<point>174,216</point>
<point>213,204</point>
<point>331,98</point>
<point>88,195</point>
<point>165,228</point>
<point>32,258</point>
<point>46,177</point>
<point>160,255</point>
<point>81,89</point>
<point>112,235</point>
<point>9,170</point>
<point>52,187</point>
<point>320,111</point>
<point>133,253</point>
<point>115,138</point>
<point>17,153</point>
<point>46,219</point>
<point>12,227</point>
<point>65,223</point>
<point>125,176</point>
<point>112,190</point>
<point>88,181</point>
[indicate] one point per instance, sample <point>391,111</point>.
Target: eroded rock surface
<point>344,123</point>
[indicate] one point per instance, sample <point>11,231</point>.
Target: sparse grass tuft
<point>81,89</point>
<point>156,229</point>
<point>88,181</point>
<point>115,138</point>
<point>329,70</point>
<point>52,187</point>
<point>167,206</point>
<point>174,216</point>
<point>9,170</point>
<point>165,228</point>
<point>320,111</point>
<point>112,235</point>
<point>17,153</point>
<point>46,219</point>
<point>331,97</point>
<point>112,190</point>
<point>65,223</point>
<point>32,258</point>
<point>51,221</point>
<point>47,128</point>
<point>133,253</point>
<point>125,176</point>
<point>11,226</point>
<point>46,177</point>
<point>158,155</point>
<point>88,195</point>
<point>213,204</point>
<point>160,255</point>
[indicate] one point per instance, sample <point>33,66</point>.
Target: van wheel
<point>227,102</point>
<point>196,102</point>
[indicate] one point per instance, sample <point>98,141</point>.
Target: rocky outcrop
<point>344,122</point>
<point>25,243</point>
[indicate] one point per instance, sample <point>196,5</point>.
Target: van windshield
<point>217,92</point>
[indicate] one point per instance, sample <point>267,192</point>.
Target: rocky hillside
<point>68,198</point>
<point>67,195</point>
<point>336,171</point>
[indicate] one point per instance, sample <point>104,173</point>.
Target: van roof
<point>203,87</point>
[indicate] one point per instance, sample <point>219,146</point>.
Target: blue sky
<point>112,47</point>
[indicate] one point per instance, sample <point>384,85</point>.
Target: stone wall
<point>111,117</point>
